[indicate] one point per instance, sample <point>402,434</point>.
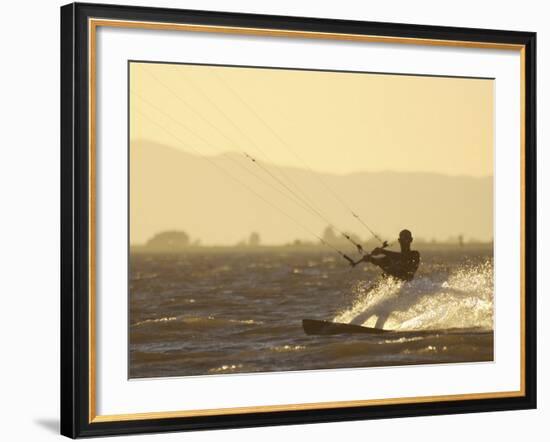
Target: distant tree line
<point>171,240</point>
<point>177,240</point>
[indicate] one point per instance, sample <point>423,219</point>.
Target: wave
<point>197,320</point>
<point>287,348</point>
<point>226,368</point>
<point>463,300</point>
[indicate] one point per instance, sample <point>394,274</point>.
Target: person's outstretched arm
<point>385,252</point>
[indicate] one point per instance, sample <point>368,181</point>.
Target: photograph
<point>284,219</point>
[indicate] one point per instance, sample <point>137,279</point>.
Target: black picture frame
<point>75,220</point>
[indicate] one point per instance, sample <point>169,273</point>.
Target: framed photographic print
<point>274,220</point>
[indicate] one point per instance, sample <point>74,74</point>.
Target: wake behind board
<point>316,327</point>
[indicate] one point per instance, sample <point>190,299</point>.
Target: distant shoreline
<point>306,247</point>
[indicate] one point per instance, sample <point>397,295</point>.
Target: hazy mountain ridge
<point>172,189</point>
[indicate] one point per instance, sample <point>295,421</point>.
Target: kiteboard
<point>317,327</point>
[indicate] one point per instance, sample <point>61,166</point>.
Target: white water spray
<point>463,300</point>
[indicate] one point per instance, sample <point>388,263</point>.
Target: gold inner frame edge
<point>93,24</point>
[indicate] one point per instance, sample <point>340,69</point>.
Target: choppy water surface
<point>215,312</point>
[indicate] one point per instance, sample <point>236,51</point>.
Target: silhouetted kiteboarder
<point>402,265</point>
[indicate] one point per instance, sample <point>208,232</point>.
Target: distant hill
<point>175,190</point>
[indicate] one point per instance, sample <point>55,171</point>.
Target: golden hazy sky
<point>331,122</point>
